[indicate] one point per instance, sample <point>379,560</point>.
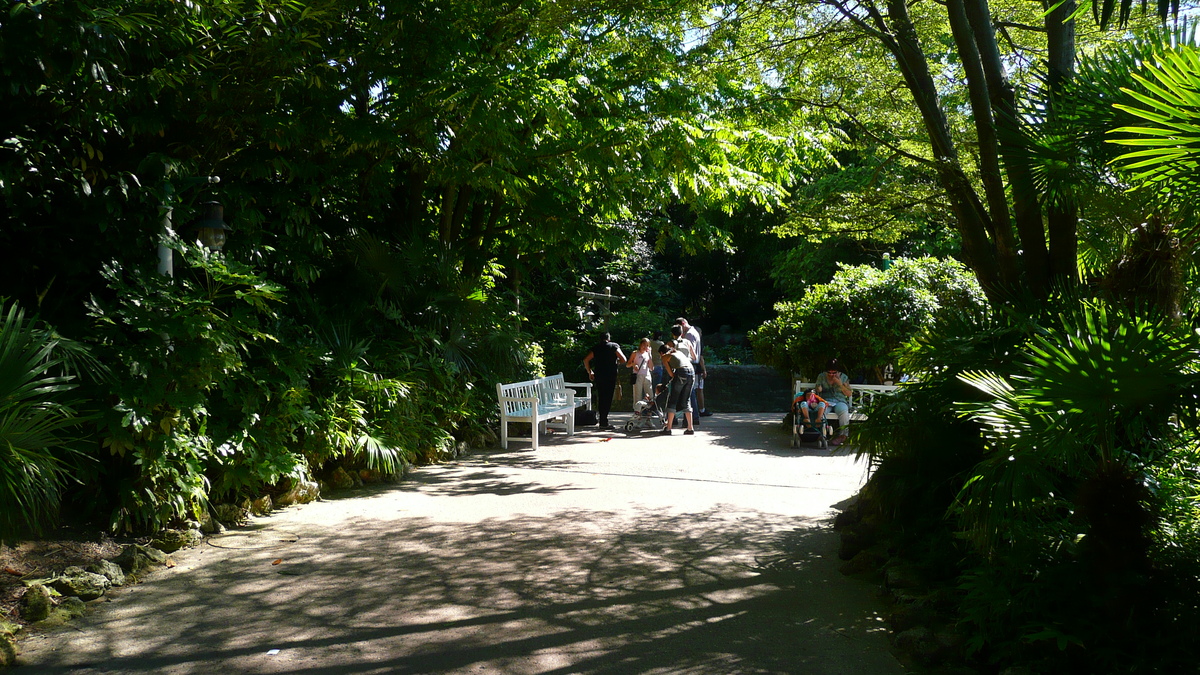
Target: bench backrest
<point>526,389</point>
<point>552,381</point>
<point>544,389</point>
<point>551,393</point>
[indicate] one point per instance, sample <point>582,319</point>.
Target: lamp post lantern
<point>605,299</point>
<point>211,227</point>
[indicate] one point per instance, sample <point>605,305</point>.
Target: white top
<point>684,346</point>
<point>693,334</point>
<point>642,363</point>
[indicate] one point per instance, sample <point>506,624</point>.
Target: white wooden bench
<point>546,401</point>
<point>861,398</point>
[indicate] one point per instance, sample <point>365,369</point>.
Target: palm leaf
<point>1168,131</point>
<point>36,424</point>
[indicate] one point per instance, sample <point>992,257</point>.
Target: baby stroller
<point>815,429</point>
<point>647,413</point>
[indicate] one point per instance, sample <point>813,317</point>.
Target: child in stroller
<point>808,418</point>
<point>647,413</point>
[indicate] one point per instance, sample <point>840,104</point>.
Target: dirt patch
<point>43,558</point>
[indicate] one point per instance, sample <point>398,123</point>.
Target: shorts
<point>699,378</point>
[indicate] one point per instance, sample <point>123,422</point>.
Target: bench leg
<point>537,426</point>
<point>504,433</point>
<point>570,420</point>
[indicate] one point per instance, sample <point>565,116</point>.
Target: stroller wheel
<point>629,427</point>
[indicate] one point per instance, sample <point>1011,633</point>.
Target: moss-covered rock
<point>79,583</point>
<point>109,570</point>
<point>169,541</point>
<point>36,603</point>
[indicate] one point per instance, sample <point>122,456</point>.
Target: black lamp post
<point>211,227</point>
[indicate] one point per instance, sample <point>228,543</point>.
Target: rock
<point>8,650</point>
<point>169,541</point>
<point>79,583</point>
<point>952,646</point>
<point>486,438</point>
<point>905,617</point>
<point>301,492</point>
<point>210,525</point>
<point>110,571</point>
<point>865,562</point>
<point>920,643</point>
<point>930,648</point>
<point>844,519</point>
<point>36,604</point>
<point>340,480</point>
<point>370,476</point>
<point>67,609</point>
<point>71,608</point>
<point>262,506</point>
<point>854,541</point>
<point>902,576</point>
<point>905,596</point>
<point>135,557</point>
<point>402,469</point>
<point>231,514</point>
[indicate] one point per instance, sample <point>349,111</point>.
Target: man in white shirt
<point>692,334</point>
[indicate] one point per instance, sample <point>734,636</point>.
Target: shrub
<point>863,315</point>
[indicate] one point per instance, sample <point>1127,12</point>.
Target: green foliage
<point>1166,110</point>
<point>863,315</point>
<point>39,421</point>
<point>1067,481</point>
<point>734,355</point>
<point>177,342</point>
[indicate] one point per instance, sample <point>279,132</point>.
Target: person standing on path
<point>642,361</point>
<point>834,386</point>
<point>656,372</point>
<point>601,364</point>
<point>678,367</point>
<point>692,334</point>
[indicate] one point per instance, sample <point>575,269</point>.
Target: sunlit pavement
<point>598,553</point>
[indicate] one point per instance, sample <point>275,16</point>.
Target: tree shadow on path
<point>571,592</point>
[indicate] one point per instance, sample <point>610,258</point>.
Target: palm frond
<point>36,423</point>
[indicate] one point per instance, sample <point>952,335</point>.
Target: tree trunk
<point>1062,217</point>
<point>408,196</point>
<point>970,215</point>
<point>1027,210</point>
<point>989,146</point>
<point>465,195</point>
<point>446,212</point>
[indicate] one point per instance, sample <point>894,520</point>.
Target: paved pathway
<point>596,554</point>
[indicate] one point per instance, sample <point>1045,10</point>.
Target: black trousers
<point>605,388</point>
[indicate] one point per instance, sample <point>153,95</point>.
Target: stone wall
<point>746,389</point>
<point>732,389</point>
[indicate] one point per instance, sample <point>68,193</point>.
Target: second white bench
<point>542,402</point>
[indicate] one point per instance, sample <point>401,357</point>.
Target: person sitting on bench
<point>834,386</point>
